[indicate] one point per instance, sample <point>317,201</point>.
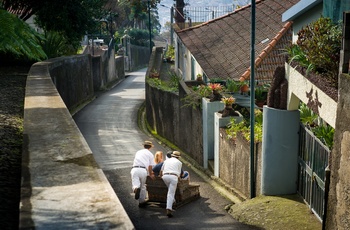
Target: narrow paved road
<point>109,125</point>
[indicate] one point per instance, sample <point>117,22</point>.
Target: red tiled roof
<point>222,46</point>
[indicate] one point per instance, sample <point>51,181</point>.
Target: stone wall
<point>119,67</point>
<point>139,57</point>
<point>235,164</point>
<point>191,124</point>
<point>338,214</point>
<point>72,77</point>
<point>179,124</point>
<point>78,77</point>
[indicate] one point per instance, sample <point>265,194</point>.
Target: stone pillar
<point>209,109</point>
<point>221,122</point>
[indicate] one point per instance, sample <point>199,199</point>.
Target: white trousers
<point>171,183</point>
<point>138,179</point>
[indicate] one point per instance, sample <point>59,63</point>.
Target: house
<point>334,210</point>
<point>220,48</point>
<point>302,14</point>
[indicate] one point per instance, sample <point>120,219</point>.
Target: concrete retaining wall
<point>62,186</point>
<point>72,77</point>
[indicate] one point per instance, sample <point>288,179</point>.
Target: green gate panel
<point>280,151</point>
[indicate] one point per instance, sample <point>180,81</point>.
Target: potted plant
<point>228,110</point>
<point>170,53</point>
<point>154,74</point>
<point>216,91</point>
<point>244,88</point>
<point>228,101</point>
<point>233,86</point>
<point>199,77</point>
<point>261,95</point>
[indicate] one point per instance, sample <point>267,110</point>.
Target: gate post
<point>279,173</point>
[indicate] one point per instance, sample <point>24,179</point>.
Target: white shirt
<point>172,165</point>
<point>143,158</point>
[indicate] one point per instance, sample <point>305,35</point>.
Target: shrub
<point>233,86</point>
<point>139,37</point>
<point>320,41</point>
<point>307,116</point>
<point>170,53</point>
<point>56,44</point>
<point>325,133</point>
<point>244,127</point>
<point>194,98</point>
<point>174,80</point>
<point>164,85</point>
<point>297,55</point>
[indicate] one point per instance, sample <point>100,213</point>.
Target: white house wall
<point>30,22</point>
<point>299,86</point>
<point>185,56</point>
<point>305,19</point>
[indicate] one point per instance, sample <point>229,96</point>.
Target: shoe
<point>169,213</point>
<point>143,204</point>
<point>137,193</point>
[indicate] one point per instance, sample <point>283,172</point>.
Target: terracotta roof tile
<point>222,46</point>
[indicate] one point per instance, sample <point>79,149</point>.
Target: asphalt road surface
<point>109,125</point>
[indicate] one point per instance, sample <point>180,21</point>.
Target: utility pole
<point>252,102</point>
<point>149,25</point>
<point>171,26</point>
<point>179,14</point>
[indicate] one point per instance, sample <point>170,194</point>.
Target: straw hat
<point>176,154</point>
<point>148,143</point>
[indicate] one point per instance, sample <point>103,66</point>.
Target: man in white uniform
<point>171,171</point>
<point>142,166</point>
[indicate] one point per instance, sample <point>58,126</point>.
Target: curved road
<point>109,125</point>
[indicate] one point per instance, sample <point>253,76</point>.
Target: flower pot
<point>154,75</point>
<point>228,111</point>
<point>216,96</point>
<point>260,103</point>
<point>244,88</point>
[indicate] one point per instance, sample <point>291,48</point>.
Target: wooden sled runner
<point>185,191</point>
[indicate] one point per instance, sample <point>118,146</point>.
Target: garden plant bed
<point>321,82</point>
<point>12,84</point>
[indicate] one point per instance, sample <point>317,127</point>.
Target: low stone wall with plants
<point>235,164</point>
<point>182,125</point>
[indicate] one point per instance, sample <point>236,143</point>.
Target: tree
<point>18,38</point>
<point>71,18</point>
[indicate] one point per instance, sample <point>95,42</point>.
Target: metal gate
<point>313,160</point>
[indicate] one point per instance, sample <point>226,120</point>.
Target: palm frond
<point>18,38</point>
